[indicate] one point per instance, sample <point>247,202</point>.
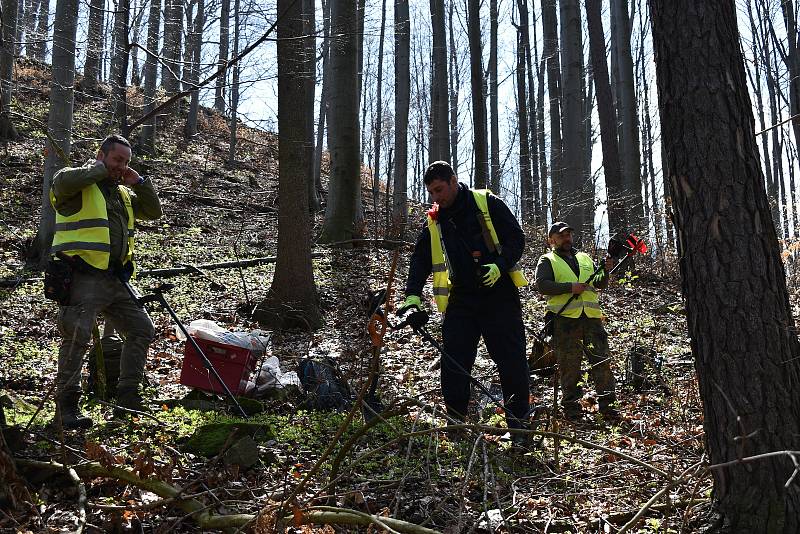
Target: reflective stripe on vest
<point>85,233</point>
<point>587,301</point>
<point>441,278</point>
<point>480,195</point>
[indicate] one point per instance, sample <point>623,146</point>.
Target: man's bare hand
<point>579,287</point>
<point>130,176</point>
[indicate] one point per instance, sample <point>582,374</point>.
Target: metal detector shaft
<point>422,331</point>
<point>158,296</point>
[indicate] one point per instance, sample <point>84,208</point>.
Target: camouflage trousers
<point>93,294</point>
<point>572,338</point>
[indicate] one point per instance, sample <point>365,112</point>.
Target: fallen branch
<point>172,271</point>
<point>341,516</point>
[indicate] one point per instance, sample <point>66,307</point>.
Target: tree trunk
<point>196,46</point>
<point>455,85</point>
<point>573,192</point>
<point>18,35</point>
<point>378,128</point>
<point>630,157</point>
<point>540,141</point>
<point>173,39</point>
<point>402,98</point>
<point>150,70</point>
<point>59,119</point>
<point>480,141</point>
<point>8,32</point>
<point>550,55</point>
<point>343,134</point>
<point>739,318</point>
<point>119,66</point>
<point>234,118</point>
<point>31,9</point>
<point>608,120</point>
<point>439,144</point>
<point>323,101</point>
<point>222,60</point>
<point>187,62</point>
<point>792,60</point>
<point>292,301</point>
<point>42,24</point>
<point>310,44</point>
<point>522,119</point>
<point>533,125</point>
<point>494,128</point>
<point>136,25</point>
<point>91,69</point>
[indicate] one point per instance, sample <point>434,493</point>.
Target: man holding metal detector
<point>93,244</point>
<point>472,243</point>
<point>569,280</point>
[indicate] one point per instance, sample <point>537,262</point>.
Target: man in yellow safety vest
<point>577,325</point>
<point>471,242</point>
<point>96,206</point>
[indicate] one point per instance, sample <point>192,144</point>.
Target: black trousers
<point>496,315</point>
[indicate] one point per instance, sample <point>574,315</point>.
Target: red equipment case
<point>234,365</point>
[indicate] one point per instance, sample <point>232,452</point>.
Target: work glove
<point>418,319</point>
<point>491,277</point>
<point>412,301</point>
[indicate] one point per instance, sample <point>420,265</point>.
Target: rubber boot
<point>68,411</point>
<point>131,399</point>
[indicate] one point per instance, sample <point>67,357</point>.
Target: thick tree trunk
<point>150,71</point>
<point>42,25</point>
<point>402,99</point>
<point>310,51</point>
<point>222,59</point>
<point>550,56</point>
<point>323,102</point>
<point>187,63</point>
<point>439,144</point>
<point>630,156</point>
<point>573,193</point>
<point>494,127</point>
<point>479,133</point>
<point>173,45</point>
<point>739,318</point>
<point>59,120</point>
<point>91,69</point>
<point>293,287</point>
<point>608,120</point>
<point>119,66</point>
<point>343,134</point>
<point>8,32</point>
<point>533,103</point>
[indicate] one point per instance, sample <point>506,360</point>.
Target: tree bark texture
<point>323,98</point>
<point>119,66</point>
<point>551,57</point>
<point>42,18</point>
<point>439,144</point>
<point>222,60</point>
<point>310,51</point>
<point>8,32</point>
<point>402,100</point>
<point>533,103</point>
<point>479,133</point>
<point>150,71</point>
<point>630,154</point>
<point>173,45</point>
<point>608,120</point>
<point>455,85</point>
<point>494,126</point>
<point>343,128</point>
<point>234,114</point>
<point>91,68</point>
<point>739,318</point>
<point>378,128</point>
<point>195,44</point>
<point>572,201</point>
<point>525,180</point>
<point>293,294</point>
<point>59,119</point>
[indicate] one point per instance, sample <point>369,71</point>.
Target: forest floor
<point>591,477</point>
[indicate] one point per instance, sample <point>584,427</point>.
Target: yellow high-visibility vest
<point>441,278</point>
<point>86,233</point>
<point>587,301</point>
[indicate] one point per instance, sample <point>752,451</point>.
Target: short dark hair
<point>113,139</point>
<point>438,170</point>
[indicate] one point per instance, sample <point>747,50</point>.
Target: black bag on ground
<point>58,281</point>
<point>112,354</point>
<point>324,387</point>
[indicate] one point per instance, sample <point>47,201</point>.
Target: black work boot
<point>131,399</point>
<point>69,413</point>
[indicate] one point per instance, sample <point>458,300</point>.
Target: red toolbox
<point>234,365</point>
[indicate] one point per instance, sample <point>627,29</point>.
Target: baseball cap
<point>558,227</point>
